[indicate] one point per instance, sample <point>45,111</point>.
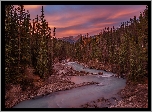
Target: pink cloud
<point>30,7</point>
<point>125,12</point>
<point>88,19</point>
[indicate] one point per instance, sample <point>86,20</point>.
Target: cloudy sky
<point>72,20</point>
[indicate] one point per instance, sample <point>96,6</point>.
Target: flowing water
<point>108,87</point>
<point>79,67</point>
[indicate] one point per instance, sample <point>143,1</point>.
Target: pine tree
<point>8,41</point>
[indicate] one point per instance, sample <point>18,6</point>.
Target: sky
<point>72,20</point>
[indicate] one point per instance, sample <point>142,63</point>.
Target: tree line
<point>29,43</point>
<point>124,48</point>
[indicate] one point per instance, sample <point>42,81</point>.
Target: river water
<point>108,87</point>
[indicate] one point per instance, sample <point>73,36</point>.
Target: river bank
<point>60,81</point>
<point>132,96</point>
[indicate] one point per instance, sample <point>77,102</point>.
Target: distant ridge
<point>71,39</point>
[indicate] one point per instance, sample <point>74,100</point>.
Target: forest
<point>32,44</point>
<point>34,61</point>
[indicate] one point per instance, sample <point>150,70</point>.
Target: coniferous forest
<point>30,44</point>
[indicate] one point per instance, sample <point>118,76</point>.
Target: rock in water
<point>100,84</point>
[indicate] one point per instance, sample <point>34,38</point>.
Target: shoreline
<point>59,81</point>
<point>54,83</point>
<point>133,95</point>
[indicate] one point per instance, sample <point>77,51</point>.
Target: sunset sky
<point>72,20</point>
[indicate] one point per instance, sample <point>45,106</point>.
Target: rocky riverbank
<point>58,81</point>
<point>132,96</point>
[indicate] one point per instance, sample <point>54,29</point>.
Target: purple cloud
<point>72,20</point>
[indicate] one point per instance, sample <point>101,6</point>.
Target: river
<point>108,87</point>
